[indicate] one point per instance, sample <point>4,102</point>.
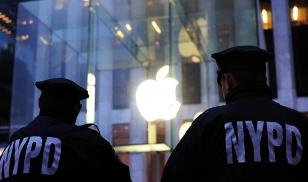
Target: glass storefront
<point>111,46</point>
<point>108,40</point>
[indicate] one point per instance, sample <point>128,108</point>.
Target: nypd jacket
<point>49,149</point>
<point>251,138</point>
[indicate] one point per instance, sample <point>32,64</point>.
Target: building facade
<point>111,46</point>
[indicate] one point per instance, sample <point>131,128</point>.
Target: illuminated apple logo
<point>156,99</point>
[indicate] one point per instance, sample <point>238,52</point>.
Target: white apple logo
<point>156,99</point>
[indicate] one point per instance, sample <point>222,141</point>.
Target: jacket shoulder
<point>208,120</point>
<point>210,115</point>
<point>87,133</point>
<point>17,134</point>
<point>288,110</point>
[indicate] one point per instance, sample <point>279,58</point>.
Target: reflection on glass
<point>156,27</point>
<point>44,40</point>
<point>120,34</point>
<point>90,117</point>
<point>128,27</point>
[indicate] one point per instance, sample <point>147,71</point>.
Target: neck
<point>59,116</point>
<point>257,89</point>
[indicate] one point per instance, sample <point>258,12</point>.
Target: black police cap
<point>62,88</point>
<point>242,58</point>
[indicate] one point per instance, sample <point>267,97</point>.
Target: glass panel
<point>121,85</point>
<point>45,48</point>
<point>266,18</point>
<point>7,30</point>
<point>191,84</point>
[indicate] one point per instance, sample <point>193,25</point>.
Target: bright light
<point>156,99</point>
<point>30,22</point>
<point>44,40</point>
<point>152,133</point>
<point>5,18</point>
<point>183,129</point>
<point>197,115</point>
<point>128,27</point>
<point>90,116</point>
<point>187,48</point>
<point>264,16</point>
<point>156,27</point>
<point>91,79</point>
<point>120,34</point>
<point>295,13</point>
<point>160,147</point>
<point>195,59</point>
<point>24,37</point>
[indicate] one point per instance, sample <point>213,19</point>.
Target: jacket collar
<point>54,117</point>
<point>248,90</point>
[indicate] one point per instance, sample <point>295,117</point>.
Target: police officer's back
<point>251,138</point>
<point>53,148</point>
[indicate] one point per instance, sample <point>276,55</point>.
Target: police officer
<point>53,148</point>
<point>251,138</point>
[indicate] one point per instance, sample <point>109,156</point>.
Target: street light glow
<point>264,16</point>
<point>295,13</point>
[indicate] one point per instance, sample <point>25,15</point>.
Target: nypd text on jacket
<point>31,147</point>
<point>277,136</point>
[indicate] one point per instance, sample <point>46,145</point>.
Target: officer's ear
<point>228,82</point>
